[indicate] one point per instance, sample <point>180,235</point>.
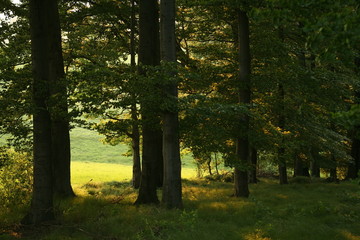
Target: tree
<point>134,112</point>
<point>242,141</point>
<point>41,24</point>
<point>149,55</point>
<point>172,190</point>
<point>61,155</point>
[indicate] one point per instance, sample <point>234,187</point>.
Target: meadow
<point>94,161</point>
<point>104,210</point>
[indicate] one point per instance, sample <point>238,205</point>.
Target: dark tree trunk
<point>216,164</point>
<point>149,54</point>
<point>354,166</point>
<point>242,142</point>
<point>300,169</point>
<point>315,169</point>
<point>283,179</point>
<point>314,166</point>
<point>253,171</point>
<point>135,143</point>
<point>172,189</point>
<point>59,110</point>
<point>333,175</point>
<point>135,135</point>
<point>41,209</point>
<point>208,162</point>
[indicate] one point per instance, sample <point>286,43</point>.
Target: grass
<point>97,162</point>
<point>296,211</point>
<point>104,207</point>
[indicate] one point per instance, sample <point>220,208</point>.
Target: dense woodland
<point>237,84</point>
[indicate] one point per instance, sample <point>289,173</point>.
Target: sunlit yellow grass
<point>84,172</point>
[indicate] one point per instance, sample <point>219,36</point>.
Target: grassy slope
<point>98,162</point>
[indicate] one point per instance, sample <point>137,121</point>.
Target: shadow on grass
<point>296,211</point>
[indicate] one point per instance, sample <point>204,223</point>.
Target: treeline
<point>231,81</point>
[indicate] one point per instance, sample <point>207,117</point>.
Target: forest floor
<point>105,211</point>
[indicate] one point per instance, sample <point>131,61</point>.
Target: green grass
<point>104,207</point>
<point>86,146</point>
<point>318,211</point>
<point>97,162</point>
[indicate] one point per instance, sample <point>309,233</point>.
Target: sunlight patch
<point>257,235</point>
<point>349,235</point>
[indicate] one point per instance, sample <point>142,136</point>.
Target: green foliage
<point>15,179</point>
<point>15,81</point>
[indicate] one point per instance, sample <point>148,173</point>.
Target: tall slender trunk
<point>172,189</point>
<point>42,197</point>
<point>135,143</point>
<point>242,142</point>
<point>283,179</point>
<point>354,166</point>
<point>61,156</point>
<point>216,164</point>
<point>149,55</point>
<point>135,135</point>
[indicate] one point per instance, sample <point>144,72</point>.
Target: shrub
<point>15,179</point>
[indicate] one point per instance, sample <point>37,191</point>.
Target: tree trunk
<point>283,179</point>
<point>59,110</point>
<point>281,151</point>
<point>41,209</point>
<point>300,169</point>
<point>216,164</point>
<point>242,142</point>
<point>135,135</point>
<point>253,171</point>
<point>314,166</point>
<point>149,54</point>
<point>135,143</point>
<point>333,174</point>
<point>315,169</point>
<point>354,166</point>
<point>208,163</point>
<point>172,189</point>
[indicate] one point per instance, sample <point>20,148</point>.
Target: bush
<point>15,179</point>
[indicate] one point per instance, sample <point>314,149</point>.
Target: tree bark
<point>61,156</point>
<point>300,169</point>
<point>354,166</point>
<point>283,179</point>
<point>253,171</point>
<point>41,209</point>
<point>149,55</point>
<point>314,166</point>
<point>135,143</point>
<point>172,189</point>
<point>135,135</point>
<point>242,142</point>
